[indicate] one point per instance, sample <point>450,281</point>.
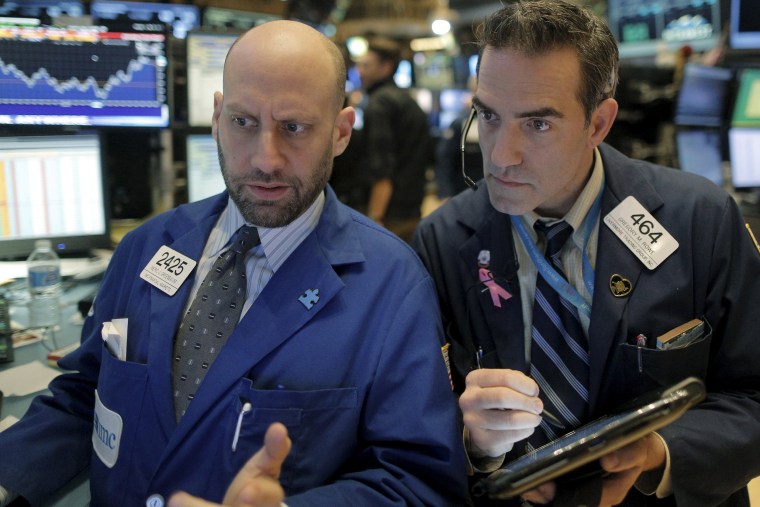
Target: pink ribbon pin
<point>496,290</point>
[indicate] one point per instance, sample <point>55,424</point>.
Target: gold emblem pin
<point>620,286</point>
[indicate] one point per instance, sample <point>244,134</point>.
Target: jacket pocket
<point>119,401</point>
<point>652,368</point>
<point>311,417</point>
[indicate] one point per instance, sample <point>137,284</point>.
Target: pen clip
<point>641,343</point>
<point>479,358</point>
<point>244,410</point>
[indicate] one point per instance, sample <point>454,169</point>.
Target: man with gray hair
<point>559,271</point>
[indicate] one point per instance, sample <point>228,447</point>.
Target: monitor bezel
<point>80,245</point>
<point>193,88</point>
<point>741,39</point>
<point>35,117</point>
<point>153,7</point>
<point>653,47</point>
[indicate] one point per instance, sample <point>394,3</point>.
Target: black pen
<point>550,418</point>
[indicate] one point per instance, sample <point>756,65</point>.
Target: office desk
<point>77,493</point>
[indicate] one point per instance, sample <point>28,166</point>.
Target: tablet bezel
<point>579,447</point>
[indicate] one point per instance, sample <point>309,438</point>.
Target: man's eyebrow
<point>476,103</point>
<point>544,112</point>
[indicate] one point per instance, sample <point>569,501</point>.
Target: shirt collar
<point>279,242</point>
<point>582,205</point>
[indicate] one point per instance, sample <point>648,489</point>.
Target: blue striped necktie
<point>211,318</point>
<point>559,351</point>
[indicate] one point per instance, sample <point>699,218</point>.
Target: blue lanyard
<point>555,280</point>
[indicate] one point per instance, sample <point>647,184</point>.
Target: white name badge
<point>640,232</point>
<point>106,433</point>
<point>168,270</point>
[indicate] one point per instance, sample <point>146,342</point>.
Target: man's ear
<point>344,124</point>
<point>601,121</point>
<point>217,113</point>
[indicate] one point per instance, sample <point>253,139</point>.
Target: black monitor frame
<point>80,244</point>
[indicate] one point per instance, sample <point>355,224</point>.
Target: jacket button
<point>154,501</point>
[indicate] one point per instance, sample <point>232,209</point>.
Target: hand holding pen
<point>499,407</point>
<point>550,418</point>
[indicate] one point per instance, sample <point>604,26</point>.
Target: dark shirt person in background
<point>396,144</point>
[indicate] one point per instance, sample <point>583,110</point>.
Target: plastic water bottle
<point>44,280</point>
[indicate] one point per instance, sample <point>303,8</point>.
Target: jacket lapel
<point>505,323</point>
<point>189,238</point>
<point>614,258</point>
<point>281,310</point>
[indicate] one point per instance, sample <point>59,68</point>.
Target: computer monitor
<point>180,17</point>
<point>433,70</point>
<point>700,152</point>
<point>84,75</point>
<point>204,177</point>
<point>404,77</point>
<point>233,19</point>
<point>472,64</point>
<point>53,187</point>
<point>644,27</point>
<point>453,103</point>
<point>747,105</point>
<point>702,97</point>
<point>46,11</point>
<point>744,155</point>
<point>745,25</point>
<point>205,64</point>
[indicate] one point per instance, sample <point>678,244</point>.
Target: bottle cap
<point>42,243</point>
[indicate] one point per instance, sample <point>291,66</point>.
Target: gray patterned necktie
<point>211,318</point>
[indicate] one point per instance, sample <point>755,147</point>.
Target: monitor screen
<point>747,105</point>
<point>403,76</point>
<point>702,97</point>
<point>472,64</point>
<point>453,105</point>
<point>644,27</point>
<point>205,62</point>
<point>46,11</point>
<point>433,70</point>
<point>745,24</point>
<point>82,76</point>
<point>135,15</point>
<point>232,19</point>
<point>699,152</point>
<point>204,177</point>
<point>52,187</point>
<point>744,154</point>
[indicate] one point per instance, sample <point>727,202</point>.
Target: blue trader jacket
<point>358,379</point>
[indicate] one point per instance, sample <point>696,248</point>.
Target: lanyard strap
<point>555,280</point>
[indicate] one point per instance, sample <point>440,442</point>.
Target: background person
<point>396,142</point>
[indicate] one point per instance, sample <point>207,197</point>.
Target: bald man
<point>337,346</point>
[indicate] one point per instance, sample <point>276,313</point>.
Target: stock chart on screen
<point>82,76</point>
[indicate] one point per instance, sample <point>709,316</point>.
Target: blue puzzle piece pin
<point>309,298</point>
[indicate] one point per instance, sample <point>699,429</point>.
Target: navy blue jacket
<point>714,274</point>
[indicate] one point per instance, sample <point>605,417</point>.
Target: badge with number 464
<point>640,232</point>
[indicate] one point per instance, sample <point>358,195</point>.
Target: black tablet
<point>593,440</point>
